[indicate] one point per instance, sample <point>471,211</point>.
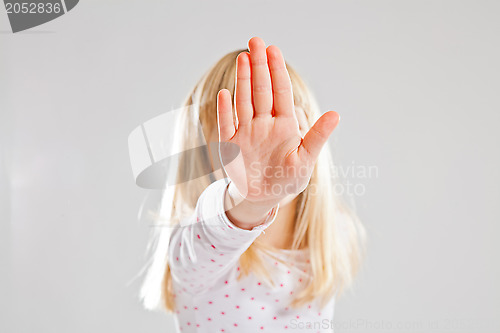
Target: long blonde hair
<point>323,223</point>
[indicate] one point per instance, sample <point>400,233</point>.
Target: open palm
<point>274,160</point>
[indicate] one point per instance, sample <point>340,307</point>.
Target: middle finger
<point>261,78</point>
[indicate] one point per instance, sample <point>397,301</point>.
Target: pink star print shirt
<point>203,257</point>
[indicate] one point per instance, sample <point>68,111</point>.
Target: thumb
<point>317,136</point>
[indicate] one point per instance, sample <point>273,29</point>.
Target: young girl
<point>263,245</point>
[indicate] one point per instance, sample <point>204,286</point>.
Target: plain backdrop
<point>416,84</point>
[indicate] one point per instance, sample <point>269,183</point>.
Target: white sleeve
<point>204,249</point>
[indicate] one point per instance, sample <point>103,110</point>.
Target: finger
<point>261,78</point>
<point>225,116</point>
<point>243,89</point>
<point>282,86</point>
<point>317,136</point>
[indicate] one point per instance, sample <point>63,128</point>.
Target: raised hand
<point>274,161</point>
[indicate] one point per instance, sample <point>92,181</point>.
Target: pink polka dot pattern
<point>205,266</point>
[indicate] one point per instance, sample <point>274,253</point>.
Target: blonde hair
<point>323,223</point>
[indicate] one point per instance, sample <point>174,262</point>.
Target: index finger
<point>282,86</point>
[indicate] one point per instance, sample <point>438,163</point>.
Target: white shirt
<point>204,262</point>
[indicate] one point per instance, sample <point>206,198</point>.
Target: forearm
<point>201,250</point>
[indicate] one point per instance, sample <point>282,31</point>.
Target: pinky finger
<point>225,115</point>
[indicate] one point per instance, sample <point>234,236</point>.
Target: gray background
<point>416,84</point>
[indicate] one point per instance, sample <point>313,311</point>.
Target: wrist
<point>243,213</point>
<point>237,199</point>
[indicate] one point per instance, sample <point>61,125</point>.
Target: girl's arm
<point>274,162</point>
<point>204,250</point>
